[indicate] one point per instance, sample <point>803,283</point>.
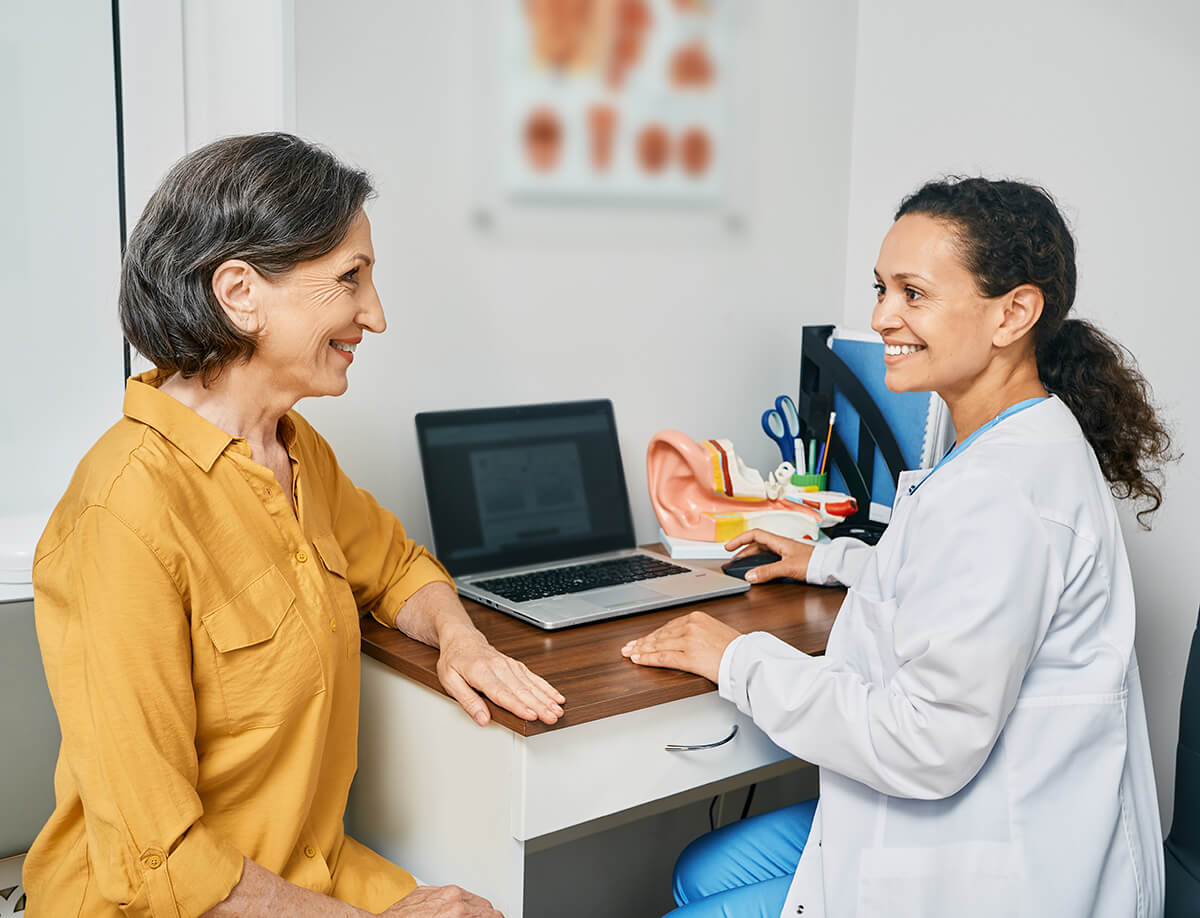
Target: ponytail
<point>1009,234</point>
<point>1098,380</point>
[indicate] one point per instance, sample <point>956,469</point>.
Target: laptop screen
<point>523,485</point>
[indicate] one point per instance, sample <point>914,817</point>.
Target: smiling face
<point>939,331</point>
<point>313,316</point>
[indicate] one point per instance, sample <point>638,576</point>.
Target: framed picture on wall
<point>615,99</point>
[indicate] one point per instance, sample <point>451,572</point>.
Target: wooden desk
<point>454,802</point>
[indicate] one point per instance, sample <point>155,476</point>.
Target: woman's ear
<point>233,285</point>
<point>1022,309</point>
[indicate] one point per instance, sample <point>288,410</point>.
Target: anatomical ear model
<point>705,491</point>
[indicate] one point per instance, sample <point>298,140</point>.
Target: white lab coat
<point>977,716</point>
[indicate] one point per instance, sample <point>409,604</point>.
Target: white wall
<point>59,245</point>
<point>196,70</point>
<point>237,67</point>
<point>1097,102</point>
<point>153,98</point>
<point>681,323</point>
<point>62,376</point>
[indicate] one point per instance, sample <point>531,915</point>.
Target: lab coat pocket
<point>267,664</point>
<point>979,879</point>
<point>862,637</point>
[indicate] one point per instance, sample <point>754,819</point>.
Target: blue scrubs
<point>743,870</point>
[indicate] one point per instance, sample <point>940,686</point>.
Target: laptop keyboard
<point>579,577</point>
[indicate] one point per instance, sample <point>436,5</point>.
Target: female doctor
<point>977,717</point>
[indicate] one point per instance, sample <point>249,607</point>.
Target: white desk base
<point>453,802</point>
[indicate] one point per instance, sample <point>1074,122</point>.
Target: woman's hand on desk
<point>693,643</point>
<point>439,902</point>
<point>793,555</point>
<point>469,665</point>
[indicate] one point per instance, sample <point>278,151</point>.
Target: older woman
<point>977,717</point>
<point>199,586</point>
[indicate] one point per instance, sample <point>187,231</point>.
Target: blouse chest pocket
<point>345,607</point>
<point>331,555</point>
<point>267,664</point>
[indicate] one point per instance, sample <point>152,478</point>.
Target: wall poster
<point>615,99</point>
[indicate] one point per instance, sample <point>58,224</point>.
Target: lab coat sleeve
<point>974,599</point>
<point>838,562</point>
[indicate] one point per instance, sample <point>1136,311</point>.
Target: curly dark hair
<point>272,200</point>
<point>1009,234</point>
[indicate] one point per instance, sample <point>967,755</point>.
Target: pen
<point>828,437</point>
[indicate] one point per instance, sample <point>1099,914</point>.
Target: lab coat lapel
<point>905,481</point>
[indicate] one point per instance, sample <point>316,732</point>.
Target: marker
<point>828,437</point>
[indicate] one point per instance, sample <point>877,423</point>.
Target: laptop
<point>531,517</point>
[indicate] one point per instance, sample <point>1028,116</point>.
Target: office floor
<point>625,872</point>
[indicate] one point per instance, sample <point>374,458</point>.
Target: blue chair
<point>1182,847</point>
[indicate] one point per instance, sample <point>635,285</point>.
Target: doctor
<point>978,716</point>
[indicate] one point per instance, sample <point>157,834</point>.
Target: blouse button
<point>153,861</point>
<point>302,556</point>
<point>310,851</point>
<point>333,624</point>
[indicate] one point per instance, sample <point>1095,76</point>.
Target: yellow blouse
<point>201,644</point>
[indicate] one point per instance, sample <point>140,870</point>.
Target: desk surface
<point>585,662</point>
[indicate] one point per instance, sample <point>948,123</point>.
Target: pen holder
<point>810,482</point>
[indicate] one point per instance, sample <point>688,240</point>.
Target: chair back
<point>29,734</point>
<point>1182,847</point>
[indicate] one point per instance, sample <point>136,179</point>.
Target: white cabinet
<point>570,776</point>
<point>456,803</point>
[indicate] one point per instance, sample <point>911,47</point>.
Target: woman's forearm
<point>433,614</point>
<point>263,894</point>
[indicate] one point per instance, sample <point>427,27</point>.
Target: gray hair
<point>272,200</point>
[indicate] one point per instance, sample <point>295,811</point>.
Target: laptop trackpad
<point>624,595</point>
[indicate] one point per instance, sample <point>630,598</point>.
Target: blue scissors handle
<point>791,417</point>
<point>775,426</point>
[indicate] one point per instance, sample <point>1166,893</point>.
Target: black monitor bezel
<point>427,421</point>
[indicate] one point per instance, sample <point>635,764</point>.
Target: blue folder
<point>878,433</point>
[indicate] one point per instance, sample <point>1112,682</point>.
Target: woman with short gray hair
<point>199,586</point>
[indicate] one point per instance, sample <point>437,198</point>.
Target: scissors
<point>782,424</point>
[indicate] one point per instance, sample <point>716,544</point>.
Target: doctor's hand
<point>693,643</point>
<point>793,555</point>
<point>439,902</point>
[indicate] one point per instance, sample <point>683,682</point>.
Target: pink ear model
<point>704,491</point>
